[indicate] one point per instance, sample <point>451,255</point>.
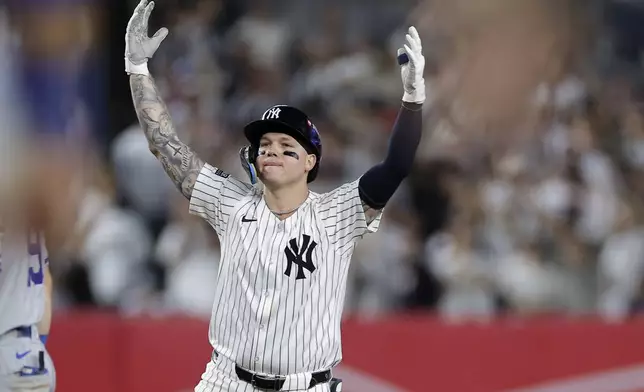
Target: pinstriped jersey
<point>23,259</point>
<point>281,285</point>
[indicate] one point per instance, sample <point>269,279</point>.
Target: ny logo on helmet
<point>271,114</point>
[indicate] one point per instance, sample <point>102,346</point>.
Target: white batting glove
<point>138,46</point>
<point>412,67</point>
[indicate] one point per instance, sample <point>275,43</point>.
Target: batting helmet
<point>290,121</point>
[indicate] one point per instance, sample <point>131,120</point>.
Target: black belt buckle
<point>267,383</point>
<point>275,383</point>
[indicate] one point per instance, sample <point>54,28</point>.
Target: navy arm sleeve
<point>380,182</point>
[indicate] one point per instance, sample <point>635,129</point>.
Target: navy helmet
<point>291,121</point>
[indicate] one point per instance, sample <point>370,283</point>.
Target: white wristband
<point>140,69</point>
<point>418,95</point>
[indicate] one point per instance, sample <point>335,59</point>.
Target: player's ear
<point>310,162</point>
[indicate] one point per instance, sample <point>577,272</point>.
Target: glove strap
<point>417,95</point>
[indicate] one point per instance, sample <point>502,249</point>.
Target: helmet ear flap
<point>248,157</point>
<point>253,152</point>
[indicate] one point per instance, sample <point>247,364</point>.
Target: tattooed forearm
<point>179,161</point>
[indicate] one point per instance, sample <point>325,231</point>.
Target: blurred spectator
<point>115,246</point>
<point>189,253</point>
<point>621,266</point>
<point>140,179</point>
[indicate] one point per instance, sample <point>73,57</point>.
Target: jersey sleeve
<point>343,216</point>
<point>215,196</point>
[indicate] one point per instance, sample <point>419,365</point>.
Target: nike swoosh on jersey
<point>22,355</point>
<point>248,220</point>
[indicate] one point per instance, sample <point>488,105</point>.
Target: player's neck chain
<point>280,213</point>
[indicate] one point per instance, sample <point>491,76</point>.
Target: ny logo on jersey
<point>300,256</point>
<point>271,114</point>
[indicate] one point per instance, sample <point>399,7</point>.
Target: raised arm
<point>380,182</point>
<point>179,161</point>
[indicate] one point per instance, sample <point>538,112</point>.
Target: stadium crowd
<point>542,214</point>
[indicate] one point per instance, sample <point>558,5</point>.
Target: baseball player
<point>285,250</point>
<point>25,298</point>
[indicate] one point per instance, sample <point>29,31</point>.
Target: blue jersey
<point>23,259</point>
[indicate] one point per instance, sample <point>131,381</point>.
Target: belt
<point>23,332</point>
<point>275,383</point>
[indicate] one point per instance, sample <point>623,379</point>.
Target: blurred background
<point>526,200</point>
